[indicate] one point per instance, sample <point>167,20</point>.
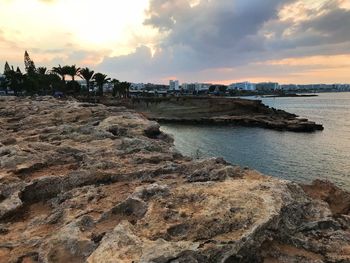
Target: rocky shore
<point>85,182</point>
<point>221,111</point>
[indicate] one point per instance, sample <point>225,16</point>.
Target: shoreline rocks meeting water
<point>82,182</point>
<point>206,110</point>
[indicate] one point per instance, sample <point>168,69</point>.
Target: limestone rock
<point>85,182</point>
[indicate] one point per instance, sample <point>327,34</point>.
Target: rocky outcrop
<point>220,111</point>
<point>89,183</point>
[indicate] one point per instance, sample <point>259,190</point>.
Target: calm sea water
<point>299,157</point>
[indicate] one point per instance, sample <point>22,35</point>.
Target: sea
<point>300,157</point>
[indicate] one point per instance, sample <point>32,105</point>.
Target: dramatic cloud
<point>227,38</point>
<point>192,40</point>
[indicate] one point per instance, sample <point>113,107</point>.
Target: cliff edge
<point>84,182</point>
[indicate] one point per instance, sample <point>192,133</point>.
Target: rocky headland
<point>220,111</point>
<point>84,182</point>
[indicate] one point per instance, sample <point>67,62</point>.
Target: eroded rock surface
<point>89,183</point>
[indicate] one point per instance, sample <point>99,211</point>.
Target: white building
<point>174,85</point>
<point>242,86</point>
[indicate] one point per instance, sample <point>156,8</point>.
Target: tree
<point>15,80</point>
<point>42,81</point>
<point>54,83</point>
<point>73,87</point>
<point>60,71</point>
<point>116,87</point>
<point>100,79</point>
<point>29,64</point>
<point>72,71</point>
<point>7,67</point>
<point>125,89</point>
<point>86,74</point>
<point>42,70</point>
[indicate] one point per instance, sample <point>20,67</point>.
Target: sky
<point>213,41</point>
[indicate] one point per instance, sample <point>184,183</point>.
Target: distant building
<point>201,87</point>
<point>289,87</point>
<point>247,86</point>
<point>137,86</point>
<point>195,87</point>
<point>155,87</point>
<point>267,86</point>
<point>174,85</point>
<point>188,87</point>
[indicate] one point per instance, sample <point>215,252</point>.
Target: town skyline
<point>289,42</point>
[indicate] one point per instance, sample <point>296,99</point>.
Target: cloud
<point>193,40</point>
<point>234,35</point>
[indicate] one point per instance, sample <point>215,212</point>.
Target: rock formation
<point>220,111</point>
<point>84,182</point>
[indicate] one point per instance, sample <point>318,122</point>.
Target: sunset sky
<point>217,41</point>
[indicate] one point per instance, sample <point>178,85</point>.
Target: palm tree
<point>72,71</point>
<point>42,70</point>
<point>125,89</point>
<point>116,87</point>
<point>100,79</point>
<point>61,71</point>
<point>86,74</point>
<point>15,80</point>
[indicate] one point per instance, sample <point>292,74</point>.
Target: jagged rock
<point>122,245</point>
<point>338,200</point>
<point>152,130</point>
<point>89,183</point>
<point>68,245</point>
<point>10,205</point>
<point>214,169</point>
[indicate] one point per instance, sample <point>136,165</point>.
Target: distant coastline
<point>289,95</point>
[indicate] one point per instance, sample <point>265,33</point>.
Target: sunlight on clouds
<point>329,61</point>
<point>120,35</point>
<point>345,4</point>
<point>300,10</point>
<point>84,24</point>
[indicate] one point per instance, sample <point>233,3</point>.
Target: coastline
<point>219,111</point>
<point>92,183</point>
<point>290,96</point>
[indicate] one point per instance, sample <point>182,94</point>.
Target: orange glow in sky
<point>87,32</point>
